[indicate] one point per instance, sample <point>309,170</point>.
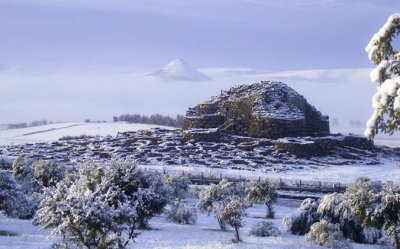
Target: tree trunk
<point>237,234</point>
<point>397,239</point>
<point>269,211</point>
<point>221,223</point>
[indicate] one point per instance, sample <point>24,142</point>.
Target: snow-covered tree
<point>102,205</point>
<point>215,197</point>
<point>23,173</point>
<point>178,186</point>
<point>386,102</point>
<point>262,192</point>
<point>233,214</point>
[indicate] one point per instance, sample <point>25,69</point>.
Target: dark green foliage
<point>82,136</point>
<point>17,126</point>
<point>156,119</point>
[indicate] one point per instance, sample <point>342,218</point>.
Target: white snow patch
<point>178,70</point>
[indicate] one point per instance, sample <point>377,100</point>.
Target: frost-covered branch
<point>386,102</point>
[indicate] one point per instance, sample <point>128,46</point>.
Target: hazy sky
<point>71,60</point>
<point>147,34</point>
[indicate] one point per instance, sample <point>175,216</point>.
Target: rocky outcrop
<point>264,109</point>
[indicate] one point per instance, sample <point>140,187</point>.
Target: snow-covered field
<point>53,132</point>
<point>204,234</point>
<point>164,234</point>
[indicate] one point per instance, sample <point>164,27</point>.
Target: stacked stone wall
<point>204,135</point>
<point>276,128</point>
<point>317,124</point>
<point>204,122</point>
<point>206,109</point>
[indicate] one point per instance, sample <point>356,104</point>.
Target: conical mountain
<point>178,70</point>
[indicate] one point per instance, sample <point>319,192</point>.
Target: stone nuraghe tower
<point>263,109</point>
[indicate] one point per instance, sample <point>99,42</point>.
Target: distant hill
<point>178,70</point>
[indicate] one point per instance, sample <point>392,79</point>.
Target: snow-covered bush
<point>377,206</point>
<point>101,206</point>
<point>386,243</point>
<point>262,192</point>
<point>9,195</point>
<point>154,181</point>
<point>306,215</point>
<point>47,173</point>
<point>181,213</point>
<point>178,186</point>
<point>335,208</point>
<point>265,229</point>
<point>31,176</point>
<point>195,191</point>
<point>327,234</point>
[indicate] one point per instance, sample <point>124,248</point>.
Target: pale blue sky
<point>147,34</point>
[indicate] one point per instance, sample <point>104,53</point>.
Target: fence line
<point>280,184</point>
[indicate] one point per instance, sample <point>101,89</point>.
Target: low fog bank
<point>344,95</point>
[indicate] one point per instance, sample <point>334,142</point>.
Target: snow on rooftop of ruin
<point>273,99</point>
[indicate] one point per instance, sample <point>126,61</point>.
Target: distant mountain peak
<point>180,70</point>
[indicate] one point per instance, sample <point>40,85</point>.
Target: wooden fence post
<point>300,186</point>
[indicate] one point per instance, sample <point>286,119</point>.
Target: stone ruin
<point>264,109</point>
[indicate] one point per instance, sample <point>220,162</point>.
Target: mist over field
<point>72,60</point>
<point>74,96</point>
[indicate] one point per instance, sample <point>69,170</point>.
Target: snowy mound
<point>178,70</point>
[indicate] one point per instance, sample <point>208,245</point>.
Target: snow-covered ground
<point>164,234</point>
<point>204,234</point>
<point>53,132</point>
